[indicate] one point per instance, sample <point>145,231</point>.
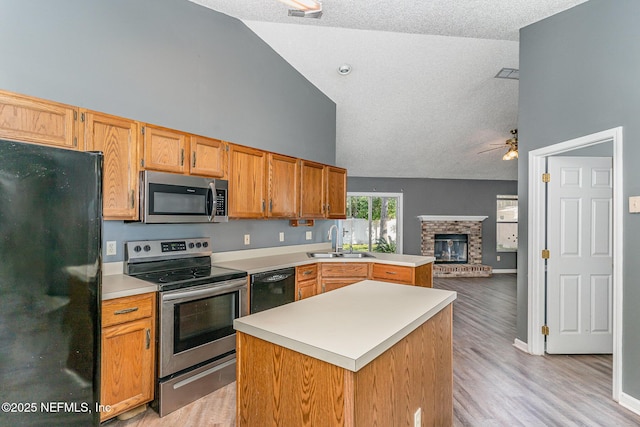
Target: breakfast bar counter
<point>372,353</point>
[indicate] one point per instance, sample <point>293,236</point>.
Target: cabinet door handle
<point>299,294</point>
<point>148,339</point>
<point>194,160</point>
<point>391,272</point>
<point>126,310</point>
<point>132,199</point>
<point>270,205</point>
<point>263,205</point>
<point>307,272</point>
<point>182,157</point>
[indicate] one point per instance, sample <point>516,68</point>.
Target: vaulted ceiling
<point>422,99</point>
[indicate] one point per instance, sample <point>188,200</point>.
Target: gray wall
<point>423,196</point>
<point>579,75</point>
<point>176,64</point>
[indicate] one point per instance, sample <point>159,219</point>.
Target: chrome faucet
<point>334,243</point>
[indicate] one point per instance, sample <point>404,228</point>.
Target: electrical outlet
<point>112,248</point>
<point>247,239</point>
<point>417,418</point>
<point>498,258</point>
<point>309,235</point>
<point>634,204</point>
<point>282,236</point>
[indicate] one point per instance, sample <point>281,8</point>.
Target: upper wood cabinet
<point>28,119</point>
<point>208,157</point>
<point>283,189</point>
<point>117,138</point>
<point>247,189</point>
<point>165,149</point>
<point>312,190</point>
<point>336,195</point>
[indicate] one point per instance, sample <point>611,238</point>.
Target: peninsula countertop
<point>351,326</point>
<point>253,265</point>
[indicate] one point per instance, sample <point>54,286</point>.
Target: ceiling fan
<point>512,143</point>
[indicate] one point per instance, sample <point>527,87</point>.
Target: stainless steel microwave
<point>172,198</point>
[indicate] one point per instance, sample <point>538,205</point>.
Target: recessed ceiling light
<point>508,73</point>
<point>344,69</point>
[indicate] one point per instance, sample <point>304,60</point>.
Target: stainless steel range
<point>197,304</point>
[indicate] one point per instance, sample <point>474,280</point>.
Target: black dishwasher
<point>272,288</point>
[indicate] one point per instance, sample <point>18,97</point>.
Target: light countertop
<point>274,262</point>
<point>121,285</point>
<point>351,326</point>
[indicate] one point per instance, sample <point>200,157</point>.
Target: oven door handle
<point>206,292</point>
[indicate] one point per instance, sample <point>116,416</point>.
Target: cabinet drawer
<point>392,273</point>
<point>345,269</point>
<point>126,309</point>
<point>306,272</point>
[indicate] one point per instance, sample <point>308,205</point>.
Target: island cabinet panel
<point>27,119</point>
<point>208,157</point>
<point>117,138</point>
<point>392,273</point>
<point>128,353</point>
<point>164,149</point>
<point>281,387</point>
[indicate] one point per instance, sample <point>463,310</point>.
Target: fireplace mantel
<point>451,218</point>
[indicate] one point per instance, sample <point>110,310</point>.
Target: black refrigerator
<point>50,285</point>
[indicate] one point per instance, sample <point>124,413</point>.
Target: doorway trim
<point>536,242</point>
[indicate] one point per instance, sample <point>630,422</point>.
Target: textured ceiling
<point>422,100</point>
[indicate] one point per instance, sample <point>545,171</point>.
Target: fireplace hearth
<point>451,248</point>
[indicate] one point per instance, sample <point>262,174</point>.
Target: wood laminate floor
<point>494,383</point>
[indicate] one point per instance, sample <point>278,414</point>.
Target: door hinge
<point>75,115</point>
<point>546,177</point>
<point>545,330</point>
<point>545,254</point>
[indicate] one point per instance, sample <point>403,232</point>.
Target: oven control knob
<point>191,245</point>
<point>198,244</point>
<point>205,244</point>
<point>137,248</point>
<point>147,248</point>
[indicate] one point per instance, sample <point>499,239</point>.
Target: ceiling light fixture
<point>304,8</point>
<point>344,69</point>
<point>512,153</point>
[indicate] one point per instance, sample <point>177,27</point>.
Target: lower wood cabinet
<point>334,275</point>
<point>419,276</point>
<point>128,353</point>
<point>306,281</point>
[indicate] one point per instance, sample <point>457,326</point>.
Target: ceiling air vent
<point>508,73</point>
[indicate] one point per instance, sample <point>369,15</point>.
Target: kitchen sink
<point>339,255</point>
<point>323,254</point>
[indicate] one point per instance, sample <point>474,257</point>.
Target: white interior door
<point>579,270</point>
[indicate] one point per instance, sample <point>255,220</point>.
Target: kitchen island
<point>372,353</point>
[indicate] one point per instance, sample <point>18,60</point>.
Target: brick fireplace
<point>460,224</point>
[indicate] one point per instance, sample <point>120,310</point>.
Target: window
<point>374,222</point>
<point>507,224</point>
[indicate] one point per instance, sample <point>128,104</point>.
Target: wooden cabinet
<point>128,353</point>
<point>283,188</point>
<point>27,119</point>
<point>419,276</point>
<point>164,149</point>
<point>336,193</point>
<point>334,275</point>
<point>208,157</point>
<point>117,138</point>
<point>312,190</point>
<point>247,189</point>
<point>306,281</point>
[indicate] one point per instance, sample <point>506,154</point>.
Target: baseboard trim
<point>521,345</point>
<point>629,402</point>
<point>505,270</point>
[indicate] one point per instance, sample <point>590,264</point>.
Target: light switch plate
<point>247,239</point>
<point>282,236</point>
<point>634,204</point>
<point>309,235</point>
